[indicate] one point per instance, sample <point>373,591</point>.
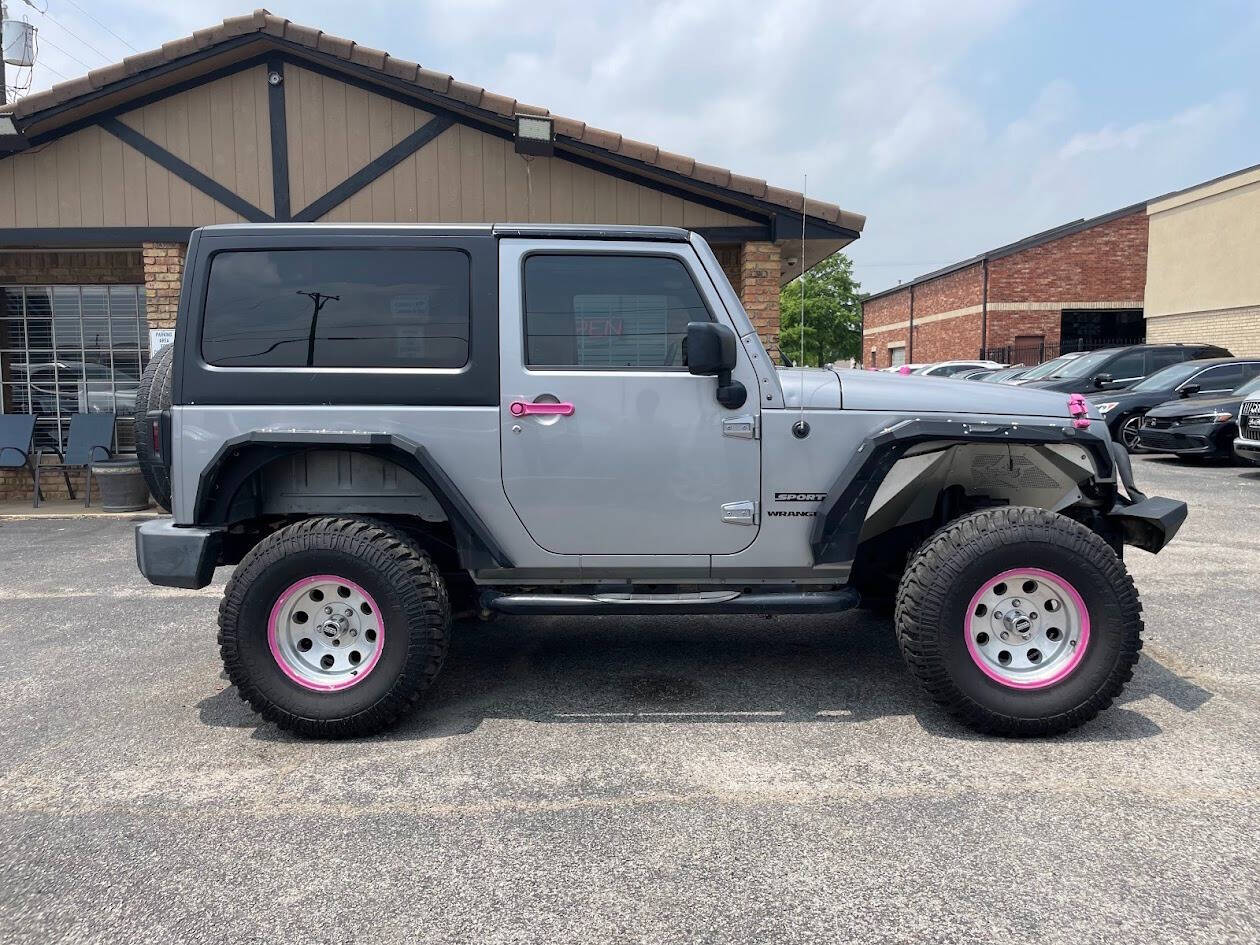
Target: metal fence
<point>1031,353</point>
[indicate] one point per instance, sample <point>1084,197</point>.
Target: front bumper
<point>173,555</point>
<point>1248,448</point>
<point>1199,439</point>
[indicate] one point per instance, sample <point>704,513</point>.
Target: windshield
<point>1251,387</point>
<point>1085,364</point>
<point>1169,377</point>
<point>1045,370</point>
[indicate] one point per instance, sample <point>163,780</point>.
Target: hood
<point>1194,405</point>
<point>819,387</point>
<point>912,393</point>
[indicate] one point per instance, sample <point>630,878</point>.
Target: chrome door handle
<point>521,408</point>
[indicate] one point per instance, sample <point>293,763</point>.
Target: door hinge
<point>744,427</point>
<point>740,513</point>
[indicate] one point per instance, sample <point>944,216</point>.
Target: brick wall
<point>1100,267</point>
<point>758,289</point>
<point>1233,328</point>
<point>163,270</point>
<point>62,268</point>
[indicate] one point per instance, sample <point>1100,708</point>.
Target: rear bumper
<point>173,555</point>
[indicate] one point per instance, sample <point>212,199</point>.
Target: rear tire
<point>334,627</point>
<point>154,393</point>
<point>1074,627</point>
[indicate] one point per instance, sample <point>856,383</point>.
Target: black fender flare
<point>241,457</point>
<point>838,524</point>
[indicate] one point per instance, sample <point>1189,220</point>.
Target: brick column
<point>163,271</point>
<point>758,289</point>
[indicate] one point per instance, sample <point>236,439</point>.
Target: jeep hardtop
<point>381,425</point>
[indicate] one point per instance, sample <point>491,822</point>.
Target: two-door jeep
<point>379,425</point>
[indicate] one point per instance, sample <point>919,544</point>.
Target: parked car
<point>1247,444</point>
<point>1117,368</point>
<point>1209,377</point>
<point>905,368</point>
<point>578,420</point>
<point>1045,369</point>
<point>68,387</point>
<point>1197,427</point>
<point>950,368</point>
<point>976,375</point>
<point>1006,375</point>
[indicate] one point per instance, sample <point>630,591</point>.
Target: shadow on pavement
<point>575,671</point>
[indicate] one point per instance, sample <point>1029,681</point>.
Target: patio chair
<point>90,434</point>
<point>16,430</point>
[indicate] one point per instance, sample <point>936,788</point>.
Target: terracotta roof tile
<point>436,81</point>
<point>639,150</point>
<point>678,163</point>
<point>609,140</point>
<point>568,127</point>
<point>261,21</point>
<point>470,94</point>
<point>499,104</point>
<point>303,35</point>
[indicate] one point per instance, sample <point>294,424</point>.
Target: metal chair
<point>16,430</point>
<point>90,433</point>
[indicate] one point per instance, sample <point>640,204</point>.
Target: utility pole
<point>320,301</point>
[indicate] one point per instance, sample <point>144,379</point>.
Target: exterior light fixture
<point>535,134</point>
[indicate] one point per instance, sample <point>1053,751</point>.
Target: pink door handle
<point>520,408</point>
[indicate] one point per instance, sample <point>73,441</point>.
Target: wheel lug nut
<point>1032,615</point>
<point>328,610</point>
<point>1015,603</point>
<point>1005,635</point>
<point>997,615</point>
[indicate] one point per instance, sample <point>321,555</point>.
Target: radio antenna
<point>800,429</point>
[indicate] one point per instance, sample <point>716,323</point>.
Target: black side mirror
<point>1101,380</point>
<point>712,351</point>
<point>1189,390</point>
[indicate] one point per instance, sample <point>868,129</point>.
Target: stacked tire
<point>154,394</point>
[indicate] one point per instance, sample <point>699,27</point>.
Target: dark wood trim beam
<point>185,171</point>
<point>279,139</point>
<point>90,237</point>
<point>374,169</point>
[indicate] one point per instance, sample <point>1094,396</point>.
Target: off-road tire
<point>936,591</point>
<point>412,600</point>
<point>154,393</point>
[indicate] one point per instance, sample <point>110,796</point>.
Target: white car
<point>950,368</point>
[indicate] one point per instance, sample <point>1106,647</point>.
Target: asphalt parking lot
<point>712,780</point>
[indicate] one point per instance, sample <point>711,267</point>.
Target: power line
<point>102,25</point>
<point>65,53</point>
<point>49,17</point>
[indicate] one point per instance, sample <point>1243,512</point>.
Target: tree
<point>833,314</point>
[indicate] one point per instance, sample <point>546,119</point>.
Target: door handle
<point>521,408</point>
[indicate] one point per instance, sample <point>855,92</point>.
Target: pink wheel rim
<point>326,633</point>
<point>1027,628</point>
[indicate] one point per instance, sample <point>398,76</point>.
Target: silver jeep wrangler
<point>380,425</point>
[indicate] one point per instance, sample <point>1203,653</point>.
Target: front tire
<point>334,627</point>
<point>1019,621</point>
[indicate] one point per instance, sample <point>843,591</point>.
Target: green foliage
<point>833,314</point>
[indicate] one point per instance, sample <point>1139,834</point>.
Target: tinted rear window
<point>337,308</point>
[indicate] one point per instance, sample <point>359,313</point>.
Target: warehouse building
<point>260,119</point>
<point>1182,267</point>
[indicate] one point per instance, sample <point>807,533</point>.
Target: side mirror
<point>1101,380</point>
<point>712,351</point>
<point>1189,390</point>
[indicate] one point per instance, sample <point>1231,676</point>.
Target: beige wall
<point>462,176</point>
<point>1204,252</point>
<point>90,178</point>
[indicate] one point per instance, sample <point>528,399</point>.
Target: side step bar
<point>705,602</point>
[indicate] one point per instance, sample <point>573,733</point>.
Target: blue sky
<point>954,126</point>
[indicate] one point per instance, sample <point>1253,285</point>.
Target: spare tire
<point>154,393</point>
